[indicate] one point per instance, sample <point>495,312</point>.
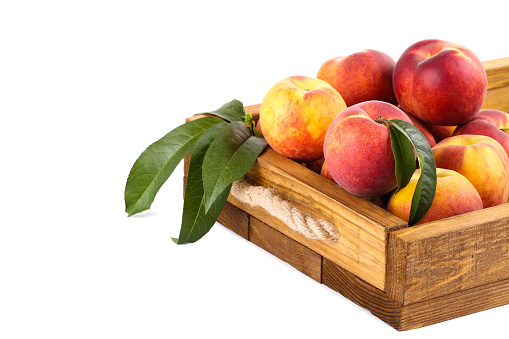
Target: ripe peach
<point>295,114</point>
<point>258,126</point>
<point>421,127</point>
<point>454,195</point>
<point>361,76</point>
<point>481,160</point>
<point>490,122</point>
<point>358,151</point>
<point>439,82</point>
<point>325,172</point>
<point>439,132</point>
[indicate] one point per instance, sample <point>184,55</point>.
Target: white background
<point>85,86</point>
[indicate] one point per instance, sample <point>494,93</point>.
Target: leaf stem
<point>251,126</point>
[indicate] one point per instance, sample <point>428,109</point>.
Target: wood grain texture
<point>362,293</point>
<point>235,220</point>
<point>424,313</point>
<point>497,72</point>
<point>450,255</point>
<point>254,110</point>
<point>286,249</point>
<point>454,305</point>
<point>363,227</point>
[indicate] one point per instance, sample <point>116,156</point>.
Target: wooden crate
<point>407,276</point>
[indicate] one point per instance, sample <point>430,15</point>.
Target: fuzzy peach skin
<point>420,126</point>
<point>439,82</point>
<point>258,126</point>
<point>358,151</point>
<point>361,76</point>
<point>482,160</point>
<point>490,122</point>
<point>325,172</point>
<point>454,195</point>
<point>439,132</point>
<point>295,114</point>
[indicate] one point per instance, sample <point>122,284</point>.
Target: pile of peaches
<point>333,123</point>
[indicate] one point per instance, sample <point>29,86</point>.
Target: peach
<point>421,127</point>
<point>362,76</point>
<point>490,122</point>
<point>325,172</point>
<point>440,132</point>
<point>454,195</point>
<point>358,151</point>
<point>258,127</point>
<point>481,160</point>
<point>439,82</point>
<point>295,114</point>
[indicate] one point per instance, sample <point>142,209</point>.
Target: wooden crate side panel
<point>454,305</point>
<point>276,243</point>
<point>497,72</point>
<point>363,234</point>
<point>235,220</point>
<point>362,293</point>
<point>373,271</point>
<point>449,256</point>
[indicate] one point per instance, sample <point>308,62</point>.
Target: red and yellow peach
<point>482,160</point>
<point>489,122</point>
<point>454,195</point>
<point>295,114</point>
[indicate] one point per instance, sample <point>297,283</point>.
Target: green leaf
<point>403,156</point>
<point>251,126</point>
<point>231,111</point>
<point>229,157</point>
<point>195,222</point>
<point>427,183</point>
<point>155,165</point>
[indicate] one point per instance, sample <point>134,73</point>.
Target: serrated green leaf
<point>195,222</point>
<point>229,157</point>
<point>427,183</point>
<point>231,111</point>
<point>155,165</point>
<point>403,156</point>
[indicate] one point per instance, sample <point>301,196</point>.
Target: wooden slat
<point>235,220</point>
<point>286,249</point>
<point>498,84</point>
<point>450,255</point>
<point>254,110</point>
<point>362,293</point>
<point>455,305</point>
<point>424,313</point>
<point>363,227</point>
